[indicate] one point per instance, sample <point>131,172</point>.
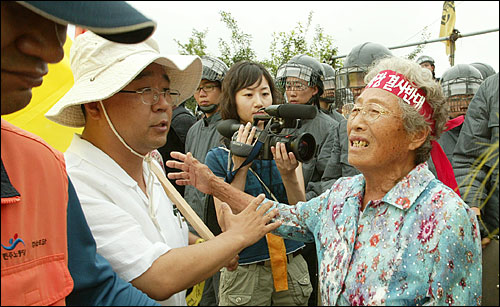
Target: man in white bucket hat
<point>123,97</point>
<point>48,252</point>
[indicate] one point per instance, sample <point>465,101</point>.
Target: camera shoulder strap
<point>255,151</point>
<point>253,154</point>
<point>264,185</point>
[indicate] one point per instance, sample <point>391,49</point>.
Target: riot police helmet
<point>213,69</point>
<point>329,83</point>
<point>485,69</point>
<point>459,84</point>
<point>303,67</point>
<point>350,78</point>
<point>425,58</point>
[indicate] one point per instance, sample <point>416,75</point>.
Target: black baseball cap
<point>116,21</point>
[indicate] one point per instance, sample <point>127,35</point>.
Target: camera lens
<point>303,147</point>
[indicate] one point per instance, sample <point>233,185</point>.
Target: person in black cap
<point>182,121</point>
<point>426,61</point>
<point>201,137</point>
<point>48,252</point>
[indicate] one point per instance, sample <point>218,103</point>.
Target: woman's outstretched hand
<point>192,172</point>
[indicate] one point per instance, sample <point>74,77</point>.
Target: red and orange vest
<point>34,253</point>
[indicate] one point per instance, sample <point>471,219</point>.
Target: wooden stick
<point>182,205</point>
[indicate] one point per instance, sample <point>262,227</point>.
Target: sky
<point>350,23</point>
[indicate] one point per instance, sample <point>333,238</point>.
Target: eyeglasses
<point>151,96</point>
<point>371,112</point>
<point>206,88</point>
<point>295,86</point>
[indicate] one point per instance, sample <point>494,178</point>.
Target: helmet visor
<point>293,70</point>
<point>213,70</point>
<point>461,86</point>
<point>329,84</point>
<point>351,78</point>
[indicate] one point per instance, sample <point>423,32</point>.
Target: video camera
<point>279,117</point>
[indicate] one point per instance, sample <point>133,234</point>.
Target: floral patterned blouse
<point>418,245</point>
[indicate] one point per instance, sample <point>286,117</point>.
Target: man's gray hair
<point>412,120</point>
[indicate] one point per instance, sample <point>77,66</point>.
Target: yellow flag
<point>32,118</point>
<point>447,22</point>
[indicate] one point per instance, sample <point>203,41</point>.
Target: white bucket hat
<point>102,68</point>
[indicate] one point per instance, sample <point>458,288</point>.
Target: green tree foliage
<point>283,47</point>
<point>196,44</point>
<point>323,48</point>
<point>419,48</point>
<point>240,47</point>
<point>286,45</point>
<point>191,104</point>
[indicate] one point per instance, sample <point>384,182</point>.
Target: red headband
<point>399,85</point>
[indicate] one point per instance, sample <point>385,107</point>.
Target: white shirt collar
<point>90,153</point>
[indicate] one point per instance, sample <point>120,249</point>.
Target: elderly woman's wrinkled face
<point>377,139</point>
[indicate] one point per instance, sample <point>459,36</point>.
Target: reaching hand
<point>193,172</point>
<point>285,161</point>
<point>251,224</point>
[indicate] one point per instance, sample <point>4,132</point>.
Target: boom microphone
<point>292,111</point>
<point>228,127</point>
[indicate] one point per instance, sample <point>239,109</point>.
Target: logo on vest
<point>13,243</point>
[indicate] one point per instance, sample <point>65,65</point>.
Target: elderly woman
<point>393,235</point>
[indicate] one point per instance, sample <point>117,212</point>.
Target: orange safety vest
<point>34,234</point>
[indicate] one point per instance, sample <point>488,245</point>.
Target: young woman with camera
<point>272,271</point>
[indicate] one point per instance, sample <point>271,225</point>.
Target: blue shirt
<point>216,160</point>
<point>419,244</point>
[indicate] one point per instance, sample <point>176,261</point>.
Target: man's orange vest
<point>34,234</point>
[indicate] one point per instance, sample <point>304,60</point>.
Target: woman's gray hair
<point>412,120</point>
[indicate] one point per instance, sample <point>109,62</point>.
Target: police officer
<point>426,61</point>
<point>201,137</point>
<point>302,80</point>
<point>479,129</point>
<point>327,99</point>
<point>459,84</point>
<point>350,78</point>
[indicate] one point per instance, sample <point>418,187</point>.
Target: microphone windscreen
<point>302,111</point>
<point>228,127</point>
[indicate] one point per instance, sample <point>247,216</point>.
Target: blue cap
<point>116,21</point>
